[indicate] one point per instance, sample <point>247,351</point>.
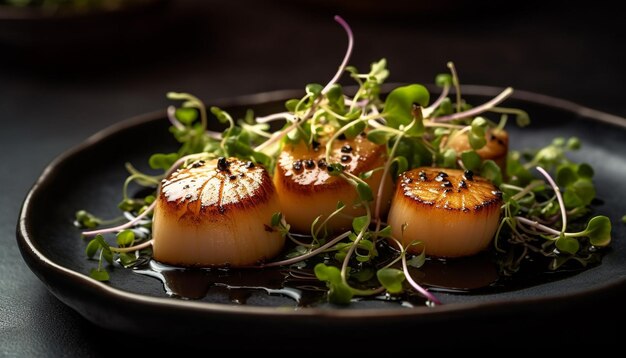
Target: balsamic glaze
<point>479,274</point>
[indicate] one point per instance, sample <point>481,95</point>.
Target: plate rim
<point>37,260</point>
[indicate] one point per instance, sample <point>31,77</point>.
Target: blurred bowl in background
<point>70,32</point>
<point>62,23</point>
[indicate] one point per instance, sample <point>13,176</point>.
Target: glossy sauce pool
<point>300,288</point>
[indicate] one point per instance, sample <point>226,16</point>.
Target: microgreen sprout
<point>547,217</point>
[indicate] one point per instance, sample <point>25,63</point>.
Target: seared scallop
<point>496,148</point>
<point>307,189</point>
<point>453,213</point>
<point>216,213</point>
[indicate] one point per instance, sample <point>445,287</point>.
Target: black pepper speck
<point>222,164</point>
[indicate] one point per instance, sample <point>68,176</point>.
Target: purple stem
<point>346,58</point>
<point>559,197</point>
<point>416,285</point>
<point>430,109</point>
<point>476,110</point>
<point>305,256</point>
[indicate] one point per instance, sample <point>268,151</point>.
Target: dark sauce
<point>297,286</point>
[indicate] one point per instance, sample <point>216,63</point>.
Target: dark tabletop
<point>53,94</point>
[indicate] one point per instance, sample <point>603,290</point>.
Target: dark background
<point>61,81</point>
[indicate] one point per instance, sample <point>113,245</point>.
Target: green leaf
<point>92,248</point>
<point>449,158</point>
<point>558,141</point>
<point>364,191</point>
<point>417,261</point>
<point>335,97</point>
<point>580,193</point>
<point>445,107</point>
<point>100,275</point>
<point>522,119</point>
<point>573,143</point>
<point>491,171</point>
<point>338,292</point>
<point>186,115</point>
<point>479,126</point>
<point>127,259</point>
<point>401,165</point>
<point>106,250</point>
<point>385,232</point>
<point>108,256</point>
<point>599,231</point>
<point>87,220</point>
<point>291,104</point>
<point>567,244</point>
<point>125,238</point>
<point>443,79</point>
<point>162,161</point>
<point>366,175</point>
<point>476,141</point>
<point>366,245</point>
<point>379,136</point>
<point>221,115</point>
<point>471,160</point>
<point>565,175</point>
<point>355,129</point>
<point>127,205</point>
<point>313,89</point>
<point>340,205</point>
<point>398,109</point>
<point>585,171</point>
<point>360,223</point>
<point>391,279</point>
<point>276,218</point>
<point>378,70</point>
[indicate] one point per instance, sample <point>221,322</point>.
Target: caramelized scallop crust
<point>453,213</point>
<point>307,189</point>
<point>216,213</point>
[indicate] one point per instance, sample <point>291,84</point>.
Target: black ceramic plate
<point>90,176</point>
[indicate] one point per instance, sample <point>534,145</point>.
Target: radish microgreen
<point>537,219</point>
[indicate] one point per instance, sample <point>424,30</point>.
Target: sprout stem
<point>275,116</point>
<point>305,256</point>
<point>143,245</point>
<point>416,285</point>
<point>559,197</point>
<point>171,115</point>
<point>276,137</point>
<point>456,84</point>
<point>430,109</point>
<point>429,296</point>
<point>346,58</point>
<point>123,226</point>
<point>476,110</point>
<point>537,225</point>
